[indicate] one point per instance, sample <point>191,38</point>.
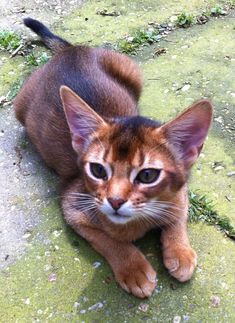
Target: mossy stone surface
<point>47,272</point>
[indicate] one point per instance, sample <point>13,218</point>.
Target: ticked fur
<point>124,173</point>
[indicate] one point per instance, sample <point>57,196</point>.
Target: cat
<point>124,174</point>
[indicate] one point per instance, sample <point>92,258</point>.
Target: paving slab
<point>47,272</point>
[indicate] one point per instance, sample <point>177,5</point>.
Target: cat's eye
<point>148,175</point>
<point>98,171</point>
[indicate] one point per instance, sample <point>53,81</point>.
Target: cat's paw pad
<point>180,262</point>
<point>137,277</point>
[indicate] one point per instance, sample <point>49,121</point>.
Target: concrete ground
<point>48,273</point>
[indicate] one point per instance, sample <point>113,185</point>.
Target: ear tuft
<point>82,120</point>
<point>188,131</point>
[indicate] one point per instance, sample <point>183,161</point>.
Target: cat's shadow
<point>103,285</point>
<point>103,288</point>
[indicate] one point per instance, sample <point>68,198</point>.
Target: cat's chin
<point>118,219</point>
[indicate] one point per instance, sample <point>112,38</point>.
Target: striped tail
<point>53,42</point>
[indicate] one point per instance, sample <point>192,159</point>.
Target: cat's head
<point>133,167</point>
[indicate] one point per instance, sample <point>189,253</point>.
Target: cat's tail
<point>53,42</point>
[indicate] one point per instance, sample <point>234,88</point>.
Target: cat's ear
<point>82,120</point>
<point>188,131</point>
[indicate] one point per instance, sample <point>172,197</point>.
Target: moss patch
<point>201,209</point>
<point>198,63</point>
<point>62,279</point>
<point>86,26</point>
<point>9,40</point>
<point>11,70</point>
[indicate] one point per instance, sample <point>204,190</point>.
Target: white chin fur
<point>118,219</point>
<point>124,216</point>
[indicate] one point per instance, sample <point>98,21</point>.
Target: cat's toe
<point>138,279</point>
<point>180,262</point>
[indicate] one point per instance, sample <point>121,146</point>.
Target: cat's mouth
<point>118,218</point>
<point>116,213</point>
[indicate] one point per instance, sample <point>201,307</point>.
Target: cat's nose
<point>116,203</point>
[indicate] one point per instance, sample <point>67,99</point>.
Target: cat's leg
<point>178,256</point>
<point>131,269</point>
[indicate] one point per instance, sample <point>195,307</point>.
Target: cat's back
<point>107,81</point>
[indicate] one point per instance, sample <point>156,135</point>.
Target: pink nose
<point>116,203</point>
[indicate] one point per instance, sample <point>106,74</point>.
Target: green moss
<point>55,280</point>
<point>185,20</point>
<point>37,59</point>
<point>15,89</point>
<point>202,209</point>
<point>9,40</point>
<point>218,11</point>
<point>86,26</point>
<point>135,40</point>
<point>11,70</point>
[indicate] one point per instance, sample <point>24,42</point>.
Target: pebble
<point>215,301</point>
<point>185,88</point>
<point>231,174</point>
<point>52,277</point>
<point>177,319</point>
<point>82,311</point>
<point>26,235</point>
<point>76,304</point>
<point>96,264</point>
<point>219,119</point>
<point>143,307</point>
<point>95,306</point>
<point>77,259</point>
<point>218,168</point>
<point>27,301</point>
<point>186,318</point>
<point>57,233</point>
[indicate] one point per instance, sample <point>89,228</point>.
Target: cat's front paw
<point>180,262</point>
<point>137,276</point>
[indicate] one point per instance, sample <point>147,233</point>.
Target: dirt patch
<point>13,11</point>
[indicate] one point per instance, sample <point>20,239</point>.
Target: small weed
<point>14,90</point>
<point>9,40</point>
<point>24,145</point>
<point>31,60</point>
<point>201,209</point>
<point>34,60</point>
<point>43,59</point>
<point>185,20</point>
<point>130,44</point>
<point>218,11</point>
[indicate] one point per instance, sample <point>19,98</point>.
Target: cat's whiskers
<point>84,209</point>
<point>159,215</point>
<point>155,211</point>
<point>94,214</point>
<point>167,204</point>
<point>145,220</point>
<point>80,194</point>
<point>150,220</point>
<point>83,202</point>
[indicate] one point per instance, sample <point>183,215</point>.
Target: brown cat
<point>125,174</point>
